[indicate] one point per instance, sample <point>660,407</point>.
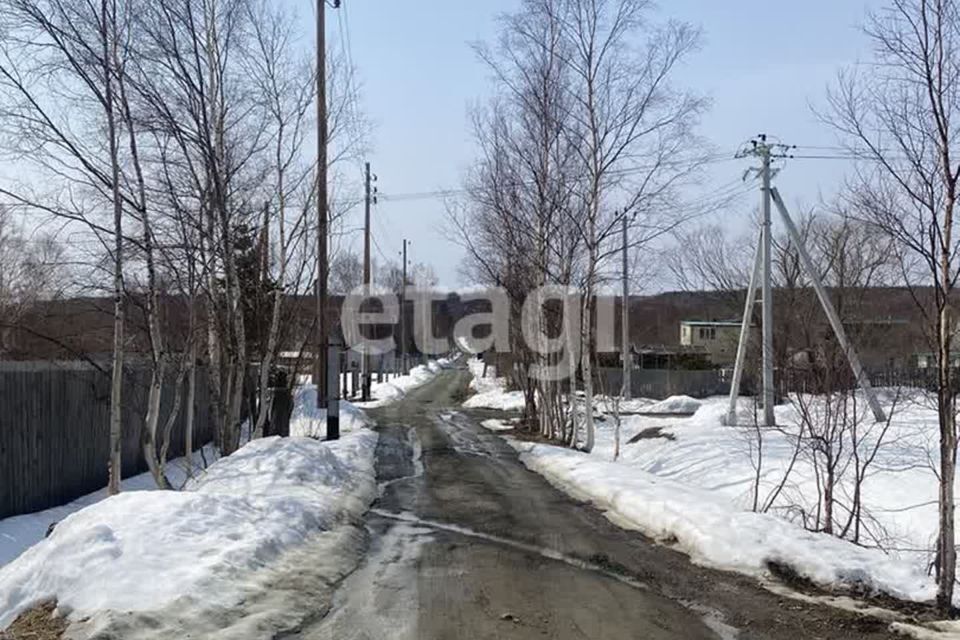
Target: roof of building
<point>711,323</point>
<point>668,349</point>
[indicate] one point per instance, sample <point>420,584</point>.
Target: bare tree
<point>346,272</point>
<point>898,115</point>
<point>57,50</point>
<point>708,258</point>
<point>519,223</point>
<point>625,109</point>
<point>585,130</point>
<point>287,89</point>
<point>31,269</point>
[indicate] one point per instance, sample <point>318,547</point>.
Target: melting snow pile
<point>141,550</point>
<point>694,481</point>
<point>384,393</point>
<point>19,533</point>
<point>491,392</point>
<point>497,425</point>
<point>675,405</point>
<point>716,533</point>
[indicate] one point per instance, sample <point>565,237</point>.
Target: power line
<point>346,43</point>
<point>446,193</point>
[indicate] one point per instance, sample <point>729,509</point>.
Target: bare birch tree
<point>586,129</point>
<point>633,134</point>
<point>64,51</point>
<point>898,115</point>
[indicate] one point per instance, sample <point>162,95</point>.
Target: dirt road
<point>467,543</point>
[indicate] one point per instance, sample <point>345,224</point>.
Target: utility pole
<point>368,199</point>
<point>326,395</point>
<point>403,313</point>
<point>759,147</point>
<point>625,319</point>
<point>769,397</point>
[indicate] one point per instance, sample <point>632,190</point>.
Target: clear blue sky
<point>762,63</point>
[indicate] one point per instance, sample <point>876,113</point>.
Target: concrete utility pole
<point>367,281</point>
<point>326,394</point>
<point>625,319</point>
<point>769,396</point>
<point>759,147</point>
<point>731,418</point>
<point>861,376</point>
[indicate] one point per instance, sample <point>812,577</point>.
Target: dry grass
<point>39,623</point>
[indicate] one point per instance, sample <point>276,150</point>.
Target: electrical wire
<point>441,194</point>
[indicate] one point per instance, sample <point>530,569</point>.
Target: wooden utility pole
<point>625,318</point>
<point>403,313</point>
<point>366,377</point>
<point>321,375</point>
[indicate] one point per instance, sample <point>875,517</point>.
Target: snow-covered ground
<point>145,550</point>
<point>692,481</point>
<point>383,393</point>
<point>674,404</point>
<point>18,533</point>
<point>490,392</point>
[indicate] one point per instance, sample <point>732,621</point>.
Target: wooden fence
<point>54,431</point>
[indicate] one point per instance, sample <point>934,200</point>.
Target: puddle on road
<point>412,452</point>
<point>464,437</point>
<point>525,547</point>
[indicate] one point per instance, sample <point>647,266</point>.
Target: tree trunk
<point>587,334</point>
<point>266,398</point>
<point>171,422</point>
<point>572,350</point>
<point>150,427</point>
<point>116,385</point>
<point>188,427</point>
<point>946,405</point>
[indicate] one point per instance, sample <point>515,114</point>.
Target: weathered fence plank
<point>54,431</point>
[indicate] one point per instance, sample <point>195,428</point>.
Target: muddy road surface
<point>465,542</point>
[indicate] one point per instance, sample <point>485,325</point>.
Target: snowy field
<point>692,482</point>
<point>146,550</point>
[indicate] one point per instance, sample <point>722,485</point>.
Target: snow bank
<point>384,393</point>
<point>19,533</point>
<point>497,425</point>
<point>716,533</point>
<point>674,404</point>
<point>140,551</point>
<point>491,393</point>
<point>693,478</point>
